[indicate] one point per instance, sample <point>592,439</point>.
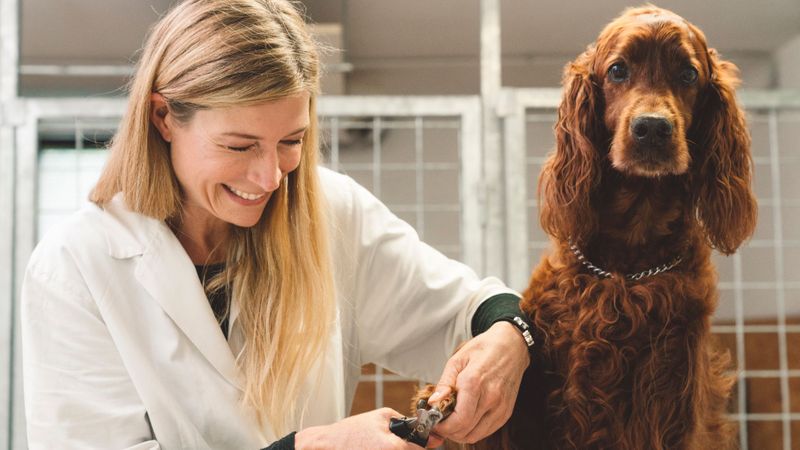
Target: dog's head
<point>651,67</point>
<point>649,99</point>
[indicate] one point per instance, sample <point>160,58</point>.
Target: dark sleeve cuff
<point>285,443</point>
<point>495,309</point>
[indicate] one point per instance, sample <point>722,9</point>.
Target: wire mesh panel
<point>758,318</point>
<point>411,164</point>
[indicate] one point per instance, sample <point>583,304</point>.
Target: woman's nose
<point>265,170</point>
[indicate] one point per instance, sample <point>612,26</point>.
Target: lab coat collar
<point>126,232</point>
<point>168,275</point>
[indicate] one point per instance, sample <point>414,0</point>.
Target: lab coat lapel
<point>169,276</point>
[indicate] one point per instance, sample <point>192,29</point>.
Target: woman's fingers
<point>486,372</point>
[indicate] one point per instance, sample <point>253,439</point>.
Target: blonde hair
<point>219,53</point>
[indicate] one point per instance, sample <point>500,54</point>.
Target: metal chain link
<point>631,276</point>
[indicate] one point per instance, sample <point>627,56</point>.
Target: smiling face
<point>654,67</point>
<point>229,161</point>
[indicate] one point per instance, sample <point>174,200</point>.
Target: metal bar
<point>398,124</point>
<point>79,137</point>
<point>431,207</point>
<point>518,262</point>
<point>491,65</point>
<point>78,70</point>
<point>780,293</point>
<point>378,378</point>
<point>344,20</point>
<point>753,329</point>
<point>763,417</point>
<point>764,161</point>
<point>770,373</point>
<point>741,386</point>
<point>335,143</point>
<point>9,88</point>
<point>355,106</point>
<point>25,239</point>
<point>494,242</point>
<point>7,190</point>
<point>470,145</point>
<point>761,284</point>
<point>769,99</point>
<point>9,49</point>
<point>404,166</point>
<point>534,98</point>
<point>47,108</point>
<point>376,156</point>
<point>419,171</point>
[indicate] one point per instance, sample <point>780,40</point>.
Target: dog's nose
<point>651,130</point>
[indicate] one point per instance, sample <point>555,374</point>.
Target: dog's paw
<point>446,405</point>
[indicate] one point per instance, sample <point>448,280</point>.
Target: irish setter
<point>652,170</point>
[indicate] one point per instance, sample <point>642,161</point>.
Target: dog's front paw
<point>446,404</point>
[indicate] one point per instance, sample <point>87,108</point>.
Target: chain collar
<point>631,276</point>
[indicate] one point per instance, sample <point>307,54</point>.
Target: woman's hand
<point>367,431</point>
<point>486,371</point>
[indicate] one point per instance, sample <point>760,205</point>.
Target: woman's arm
<point>414,306</point>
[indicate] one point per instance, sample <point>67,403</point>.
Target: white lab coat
<point>121,348</point>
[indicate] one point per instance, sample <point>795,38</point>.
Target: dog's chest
<point>602,327</point>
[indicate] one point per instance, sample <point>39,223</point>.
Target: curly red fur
<point>629,364</point>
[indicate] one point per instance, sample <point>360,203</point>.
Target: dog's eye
<point>618,73</point>
<point>688,75</point>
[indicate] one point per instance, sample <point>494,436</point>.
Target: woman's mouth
<point>245,197</point>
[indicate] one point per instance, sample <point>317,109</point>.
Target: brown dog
<point>652,170</point>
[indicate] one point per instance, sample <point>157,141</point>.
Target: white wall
<point>787,59</point>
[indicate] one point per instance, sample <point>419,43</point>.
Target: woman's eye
<point>618,73</point>
<point>292,142</point>
<point>240,149</point>
<point>688,75</point>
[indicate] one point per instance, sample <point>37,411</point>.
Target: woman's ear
<point>160,116</point>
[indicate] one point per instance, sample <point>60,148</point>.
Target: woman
<point>223,291</point>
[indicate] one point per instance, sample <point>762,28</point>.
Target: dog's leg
<point>715,430</point>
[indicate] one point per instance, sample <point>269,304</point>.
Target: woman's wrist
<point>514,335</point>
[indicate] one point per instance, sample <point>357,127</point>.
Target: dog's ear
<point>572,171</point>
<point>723,168</point>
